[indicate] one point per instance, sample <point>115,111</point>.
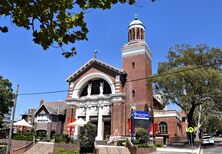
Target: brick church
<point>105,95</point>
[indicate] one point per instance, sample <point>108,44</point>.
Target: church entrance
<point>107,130</point>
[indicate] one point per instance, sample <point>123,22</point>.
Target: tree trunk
<point>190,115</point>
<point>191,123</point>
<point>199,123</point>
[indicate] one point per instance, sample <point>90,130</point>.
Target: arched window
<point>163,128</point>
<point>95,87</point>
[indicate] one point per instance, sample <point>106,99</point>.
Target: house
<point>50,117</point>
<point>29,116</point>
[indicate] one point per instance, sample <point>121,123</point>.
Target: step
<point>41,148</point>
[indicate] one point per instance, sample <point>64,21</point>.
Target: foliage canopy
<point>54,22</point>
<point>6,96</point>
<point>191,76</point>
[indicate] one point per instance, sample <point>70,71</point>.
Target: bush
<point>136,142</point>
<point>121,143</point>
<point>145,145</point>
<point>142,136</point>
<point>2,150</point>
<point>24,136</point>
<point>62,138</point>
<point>87,137</point>
<point>41,134</point>
<point>63,151</point>
<point>158,145</point>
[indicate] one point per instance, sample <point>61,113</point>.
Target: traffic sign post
<point>191,130</point>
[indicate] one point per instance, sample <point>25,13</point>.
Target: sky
<point>167,22</point>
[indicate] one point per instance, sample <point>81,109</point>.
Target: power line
<point>46,92</point>
<point>149,77</point>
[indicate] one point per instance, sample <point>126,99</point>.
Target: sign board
<point>190,130</point>
<point>140,119</point>
<point>141,115</point>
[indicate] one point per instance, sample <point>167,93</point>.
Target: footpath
<point>180,149</point>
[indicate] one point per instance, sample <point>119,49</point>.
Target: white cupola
<point>136,30</point>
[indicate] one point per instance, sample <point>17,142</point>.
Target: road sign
<point>190,130</point>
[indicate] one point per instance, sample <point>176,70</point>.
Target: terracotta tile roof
<point>56,108</point>
<point>90,63</point>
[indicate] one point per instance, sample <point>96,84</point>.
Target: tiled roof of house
<point>56,108</point>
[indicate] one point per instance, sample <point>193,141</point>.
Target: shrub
<point>142,136</point>
<point>87,137</point>
<point>63,151</point>
<point>136,142</point>
<point>24,136</point>
<point>158,145</point>
<point>41,134</point>
<point>121,143</point>
<point>145,145</point>
<point>62,138</point>
<point>2,150</point>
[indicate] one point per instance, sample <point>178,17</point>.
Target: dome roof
<point>136,23</point>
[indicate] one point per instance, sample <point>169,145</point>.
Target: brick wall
<point>173,124</point>
<point>138,68</point>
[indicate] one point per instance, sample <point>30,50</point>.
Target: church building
<point>105,95</point>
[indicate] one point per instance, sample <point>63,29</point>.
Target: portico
<point>93,96</point>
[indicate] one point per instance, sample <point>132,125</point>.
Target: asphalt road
<point>212,149</point>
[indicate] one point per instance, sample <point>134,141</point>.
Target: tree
<point>53,22</point>
<point>6,96</point>
<point>87,137</point>
<point>191,76</point>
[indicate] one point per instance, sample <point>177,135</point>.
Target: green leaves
<point>191,76</point>
<point>4,29</point>
<point>6,96</point>
<point>87,135</point>
<point>54,23</point>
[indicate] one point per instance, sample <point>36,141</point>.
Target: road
<point>212,149</point>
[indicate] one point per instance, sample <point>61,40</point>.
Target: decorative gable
<point>94,63</point>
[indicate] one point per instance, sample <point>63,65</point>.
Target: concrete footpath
<point>195,150</point>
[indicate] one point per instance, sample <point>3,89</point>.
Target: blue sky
<point>167,22</point>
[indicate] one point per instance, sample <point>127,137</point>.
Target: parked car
<point>207,140</point>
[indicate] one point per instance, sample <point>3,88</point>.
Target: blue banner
<point>141,115</point>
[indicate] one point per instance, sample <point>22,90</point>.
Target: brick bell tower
<point>136,62</point>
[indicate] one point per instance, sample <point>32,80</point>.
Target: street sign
<point>190,130</point>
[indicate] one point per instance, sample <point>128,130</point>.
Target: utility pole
<point>13,117</point>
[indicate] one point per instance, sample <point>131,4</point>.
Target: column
<point>76,133</point>
<point>100,126</point>
<point>87,113</point>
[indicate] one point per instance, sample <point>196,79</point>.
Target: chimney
<point>41,102</point>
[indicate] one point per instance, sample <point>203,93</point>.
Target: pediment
<point>101,66</point>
